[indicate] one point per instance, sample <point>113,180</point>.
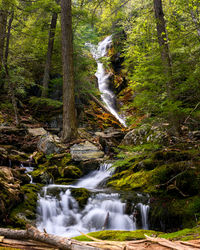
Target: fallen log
<point>168,243</point>
<point>57,241</point>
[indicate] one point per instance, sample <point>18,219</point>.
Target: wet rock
<point>85,151</point>
<point>50,144</point>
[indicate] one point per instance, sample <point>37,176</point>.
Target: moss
<point>64,181</point>
<point>72,172</point>
<point>81,195</point>
<point>185,234</point>
<point>25,212</point>
<point>118,235</point>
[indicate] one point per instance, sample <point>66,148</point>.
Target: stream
<point>58,211</point>
<point>103,77</point>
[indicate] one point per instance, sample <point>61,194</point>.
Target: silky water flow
<point>59,213</point>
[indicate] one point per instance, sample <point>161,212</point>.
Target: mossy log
<point>57,241</point>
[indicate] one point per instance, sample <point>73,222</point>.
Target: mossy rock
<point>25,212</point>
<point>168,213</point>
<point>72,172</point>
<point>64,181</point>
<point>81,195</point>
<point>118,235</point>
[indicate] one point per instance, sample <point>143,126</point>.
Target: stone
<point>10,193</point>
<point>49,144</point>
<point>37,131</point>
<point>85,151</point>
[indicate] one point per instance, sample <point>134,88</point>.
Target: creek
<point>58,211</point>
<point>107,95</point>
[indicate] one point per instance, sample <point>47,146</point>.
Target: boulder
<point>145,134</point>
<point>85,151</point>
<point>110,140</point>
<point>37,131</point>
<point>50,144</point>
<point>10,193</point>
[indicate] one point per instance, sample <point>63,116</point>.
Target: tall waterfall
<point>103,77</point>
<point>59,213</point>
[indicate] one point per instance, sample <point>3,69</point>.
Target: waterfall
<point>58,211</point>
<point>28,170</point>
<point>107,95</point>
<point>144,210</point>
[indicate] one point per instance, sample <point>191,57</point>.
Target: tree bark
<point>163,43</point>
<point>34,234</point>
<point>49,54</point>
<point>10,83</point>
<point>3,22</point>
<point>69,113</point>
<point>166,59</point>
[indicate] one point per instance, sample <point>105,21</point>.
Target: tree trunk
<point>3,22</point>
<point>163,43</point>
<point>166,59</point>
<point>69,114</point>
<point>49,54</point>
<point>10,83</point>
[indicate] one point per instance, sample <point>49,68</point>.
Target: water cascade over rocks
<point>103,77</point>
<point>58,211</point>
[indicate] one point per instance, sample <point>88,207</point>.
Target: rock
<point>85,151</point>
<point>72,172</point>
<point>110,140</point>
<point>145,134</point>
<point>37,131</point>
<point>10,193</point>
<point>49,144</point>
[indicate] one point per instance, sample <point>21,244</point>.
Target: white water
<point>144,210</point>
<point>103,77</point>
<point>60,214</point>
<point>28,170</point>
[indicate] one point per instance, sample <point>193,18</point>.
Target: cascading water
<point>103,77</point>
<point>58,212</point>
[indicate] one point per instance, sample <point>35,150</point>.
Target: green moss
<point>72,172</point>
<point>185,234</point>
<point>118,235</point>
<point>81,195</point>
<point>25,212</point>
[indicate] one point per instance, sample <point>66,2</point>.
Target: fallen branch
<point>189,244</point>
<point>167,243</point>
<point>192,112</point>
<point>34,234</point>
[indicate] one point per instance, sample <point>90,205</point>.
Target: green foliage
<point>47,102</point>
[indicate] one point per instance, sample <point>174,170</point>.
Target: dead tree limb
<point>57,241</point>
<point>167,243</point>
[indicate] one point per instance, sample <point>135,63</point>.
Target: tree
<point>69,114</point>
<point>3,22</point>
<point>163,43</point>
<point>49,54</point>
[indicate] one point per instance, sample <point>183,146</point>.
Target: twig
<point>192,112</point>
